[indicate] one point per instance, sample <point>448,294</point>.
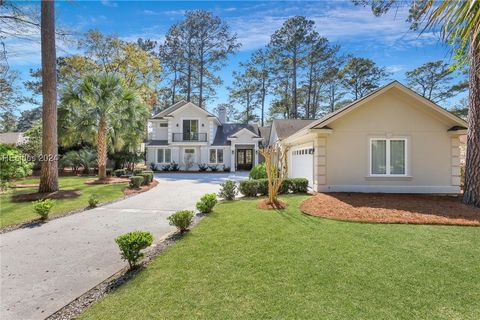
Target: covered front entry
<point>244,159</point>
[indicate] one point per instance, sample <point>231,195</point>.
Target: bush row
<point>252,188</point>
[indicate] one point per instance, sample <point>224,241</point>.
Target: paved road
<point>45,267</point>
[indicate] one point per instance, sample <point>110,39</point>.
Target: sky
<point>387,39</point>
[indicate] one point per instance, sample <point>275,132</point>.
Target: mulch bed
<point>61,194</point>
<point>264,204</point>
<point>108,180</point>
<point>392,208</point>
<point>129,191</point>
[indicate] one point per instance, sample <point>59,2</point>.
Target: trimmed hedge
<point>136,181</point>
<point>251,187</point>
<point>120,172</point>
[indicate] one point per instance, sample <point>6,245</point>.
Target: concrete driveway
<point>44,268</point>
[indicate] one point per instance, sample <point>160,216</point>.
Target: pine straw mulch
<point>264,204</point>
<point>392,208</point>
<point>108,180</point>
<point>129,191</point>
<point>60,194</point>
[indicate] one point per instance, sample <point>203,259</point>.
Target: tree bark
<point>472,166</point>
<point>49,170</point>
<point>294,80</point>
<point>102,148</point>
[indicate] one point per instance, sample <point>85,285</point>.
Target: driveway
<point>44,268</point>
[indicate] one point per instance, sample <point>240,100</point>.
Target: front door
<point>244,159</point>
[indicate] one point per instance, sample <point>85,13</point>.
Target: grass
<point>19,212</point>
<point>244,263</point>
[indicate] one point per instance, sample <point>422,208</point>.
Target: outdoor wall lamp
<point>177,124</point>
<point>203,124</point>
<point>233,151</point>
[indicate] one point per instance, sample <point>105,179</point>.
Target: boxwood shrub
<point>132,243</point>
<point>298,185</point>
<point>249,188</point>
<point>181,219</point>
<point>120,172</point>
<point>136,181</point>
<point>228,190</point>
<point>207,202</point>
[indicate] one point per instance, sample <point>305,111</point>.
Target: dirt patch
<point>392,208</point>
<point>31,185</point>
<point>61,194</point>
<point>129,191</point>
<point>264,204</point>
<point>108,180</point>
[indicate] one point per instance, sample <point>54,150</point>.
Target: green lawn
<point>243,263</point>
<point>18,212</point>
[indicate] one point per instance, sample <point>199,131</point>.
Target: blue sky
<point>387,39</point>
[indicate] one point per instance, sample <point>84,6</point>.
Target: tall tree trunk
<point>294,80</point>
<point>263,101</point>
<point>200,98</point>
<point>310,85</point>
<point>174,85</point>
<point>49,171</point>
<point>472,165</point>
<point>102,148</point>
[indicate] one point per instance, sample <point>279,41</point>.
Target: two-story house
<point>189,135</point>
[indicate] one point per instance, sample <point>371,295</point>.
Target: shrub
<point>136,181</point>
<point>226,169</point>
<point>120,172</point>
<point>298,185</point>
<point>166,167</point>
<point>12,165</point>
<point>214,168</point>
<point>249,188</point>
<point>207,202</point>
<point>285,186</point>
<point>262,186</point>
<point>202,167</point>
<point>174,166</point>
<point>228,190</point>
<point>147,177</point>
<point>109,172</point>
<point>258,172</point>
<point>181,219</point>
<point>93,201</point>
<point>43,207</point>
<point>150,175</point>
<point>137,171</point>
<point>132,243</point>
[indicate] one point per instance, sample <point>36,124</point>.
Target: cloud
<point>394,68</point>
<point>109,3</point>
<point>339,23</point>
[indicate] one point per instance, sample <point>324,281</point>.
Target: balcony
<point>189,137</point>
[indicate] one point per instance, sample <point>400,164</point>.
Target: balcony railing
<point>189,137</point>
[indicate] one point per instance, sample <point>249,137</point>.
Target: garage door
<point>301,165</point>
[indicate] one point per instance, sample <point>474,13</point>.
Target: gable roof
<point>227,130</point>
<point>15,138</point>
<point>286,127</point>
<point>170,109</point>
<point>179,105</point>
<point>323,122</point>
<point>265,134</point>
<point>352,106</point>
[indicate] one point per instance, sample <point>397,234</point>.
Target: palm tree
<point>102,106</point>
<point>49,171</point>
<point>459,23</point>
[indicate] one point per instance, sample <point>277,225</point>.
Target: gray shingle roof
<point>287,127</point>
<point>170,109</point>
<point>228,129</point>
<point>265,134</point>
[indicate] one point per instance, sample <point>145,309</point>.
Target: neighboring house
<point>392,140</point>
<point>189,135</point>
<point>284,128</point>
<point>12,138</point>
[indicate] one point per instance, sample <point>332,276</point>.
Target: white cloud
<point>394,68</point>
<point>109,3</point>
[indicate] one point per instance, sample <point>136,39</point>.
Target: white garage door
<point>301,165</point>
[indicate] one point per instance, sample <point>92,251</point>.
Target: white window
<point>388,157</point>
<point>216,155</point>
<point>164,156</point>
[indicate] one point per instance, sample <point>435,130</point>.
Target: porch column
<point>232,157</point>
<point>255,154</point>
<point>456,169</point>
<point>320,163</point>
